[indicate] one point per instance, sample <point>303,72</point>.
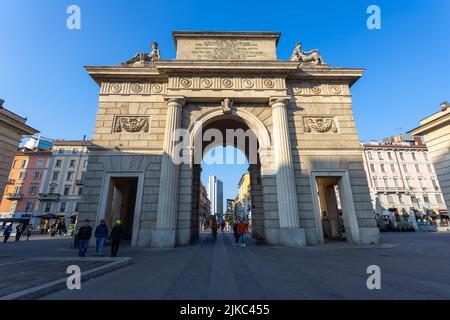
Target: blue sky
<point>41,61</point>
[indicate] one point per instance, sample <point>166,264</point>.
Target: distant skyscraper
<point>215,192</point>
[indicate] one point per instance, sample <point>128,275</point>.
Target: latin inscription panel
<point>226,49</point>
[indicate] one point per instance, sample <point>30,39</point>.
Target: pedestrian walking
<point>242,230</point>
<point>7,233</point>
<point>29,231</point>
<point>115,237</point>
<point>101,234</point>
<point>235,232</point>
<point>84,235</point>
<point>214,228</point>
<point>222,226</point>
<point>19,230</point>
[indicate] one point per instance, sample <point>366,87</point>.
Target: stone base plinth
<point>293,237</point>
<point>369,235</point>
<point>163,239</point>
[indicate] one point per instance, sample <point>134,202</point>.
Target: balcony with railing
<point>14,196</point>
<point>11,181</point>
<point>391,189</point>
<point>80,182</point>
<point>49,197</point>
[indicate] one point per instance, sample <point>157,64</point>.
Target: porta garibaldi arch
<point>309,158</point>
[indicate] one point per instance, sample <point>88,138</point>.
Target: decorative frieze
<point>320,125</point>
<point>308,88</point>
<point>235,83</point>
<point>117,88</point>
<point>131,124</point>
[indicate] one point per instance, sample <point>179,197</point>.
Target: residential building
<point>20,200</point>
<point>64,182</point>
<point>402,178</point>
<point>12,128</point>
<point>204,208</point>
<point>242,202</point>
<point>215,192</point>
<point>435,130</point>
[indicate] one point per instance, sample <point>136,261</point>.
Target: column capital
<point>179,101</point>
<point>277,101</point>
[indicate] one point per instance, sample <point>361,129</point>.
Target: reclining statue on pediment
<point>141,58</point>
<point>308,57</point>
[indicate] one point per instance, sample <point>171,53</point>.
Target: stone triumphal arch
<point>308,183</point>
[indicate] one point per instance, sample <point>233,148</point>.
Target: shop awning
<point>50,216</point>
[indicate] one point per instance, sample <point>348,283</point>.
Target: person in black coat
<point>115,237</point>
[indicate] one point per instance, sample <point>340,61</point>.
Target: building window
<point>17,189</point>
<point>55,176</point>
<point>421,183</point>
<point>22,175</point>
<point>14,164</point>
<point>80,191</point>
<point>51,190</point>
<point>37,175</point>
<point>32,190</point>
<point>23,164</point>
<point>439,198</point>
<point>390,199</point>
<point>29,206</point>
<point>401,156</point>
<point>74,151</point>
<point>400,198</point>
<point>372,167</point>
<point>77,207</point>
<point>66,191</point>
<point>69,176</point>
<point>382,168</point>
<point>429,168</point>
<point>85,163</point>
<point>48,207</point>
<point>72,163</point>
<point>408,182</point>
<point>40,163</point>
<point>389,155</point>
<point>396,183</point>
<point>375,182</point>
<point>58,163</point>
<point>414,199</point>
<point>62,208</point>
<point>13,206</point>
<point>405,167</point>
<point>380,155</point>
<point>434,183</point>
<point>417,168</point>
<point>413,156</point>
<point>392,167</point>
<point>425,155</point>
<point>426,199</point>
<point>60,151</point>
<point>386,182</point>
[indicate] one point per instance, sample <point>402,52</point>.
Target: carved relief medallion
<point>131,125</point>
<point>320,125</point>
<point>227,83</point>
<point>186,83</point>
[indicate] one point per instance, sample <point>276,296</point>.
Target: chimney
<point>1,103</point>
<point>418,140</point>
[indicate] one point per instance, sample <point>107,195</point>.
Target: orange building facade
<point>25,183</point>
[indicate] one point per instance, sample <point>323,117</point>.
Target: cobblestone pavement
<point>413,266</point>
<point>27,273</point>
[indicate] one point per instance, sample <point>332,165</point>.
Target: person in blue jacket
<point>101,234</point>
<point>7,233</point>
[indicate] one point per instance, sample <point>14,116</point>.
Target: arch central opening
<point>227,182</point>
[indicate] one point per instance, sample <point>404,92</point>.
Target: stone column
<point>290,233</point>
<point>166,220</point>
